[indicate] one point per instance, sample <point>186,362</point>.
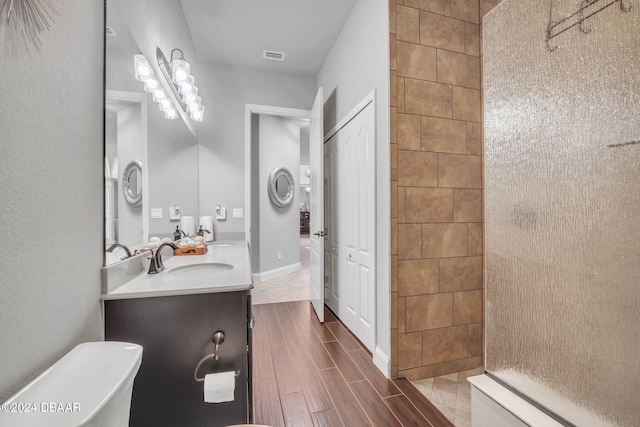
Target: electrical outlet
<point>279,256</point>
<point>156,213</point>
<point>237,213</point>
<point>174,212</point>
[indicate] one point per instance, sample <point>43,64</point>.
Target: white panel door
<point>332,242</point>
<point>357,224</point>
<point>316,241</point>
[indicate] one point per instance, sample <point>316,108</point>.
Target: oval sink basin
<point>197,271</point>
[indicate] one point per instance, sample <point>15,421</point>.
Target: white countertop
<point>165,284</point>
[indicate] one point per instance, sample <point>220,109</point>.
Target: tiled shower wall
<point>436,186</point>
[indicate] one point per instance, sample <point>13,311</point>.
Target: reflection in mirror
<point>282,186</point>
<point>136,131</point>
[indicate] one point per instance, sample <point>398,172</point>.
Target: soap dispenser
<point>177,235</point>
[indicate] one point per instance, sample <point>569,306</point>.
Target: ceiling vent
<point>110,32</point>
<point>277,56</point>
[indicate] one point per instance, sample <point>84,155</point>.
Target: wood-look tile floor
<point>306,373</point>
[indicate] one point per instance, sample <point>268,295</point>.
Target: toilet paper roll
<point>187,224</point>
<point>207,223</point>
<point>219,387</point>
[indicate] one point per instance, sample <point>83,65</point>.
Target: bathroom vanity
<point>174,315</point>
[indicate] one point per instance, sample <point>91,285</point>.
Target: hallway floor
<point>289,287</point>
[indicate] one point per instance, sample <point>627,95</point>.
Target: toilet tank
<point>89,386</point>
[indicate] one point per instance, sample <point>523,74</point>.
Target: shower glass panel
<point>562,177</point>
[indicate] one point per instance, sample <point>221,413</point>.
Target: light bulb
<point>165,103</point>
<point>150,84</point>
<point>180,70</point>
<point>170,113</point>
<point>198,114</point>
<point>187,85</point>
<point>141,67</point>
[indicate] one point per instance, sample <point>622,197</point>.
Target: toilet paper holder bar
<point>217,339</point>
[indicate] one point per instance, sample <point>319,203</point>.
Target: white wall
<point>51,170</point>
<point>358,64</point>
<point>279,145</point>
<point>221,134</point>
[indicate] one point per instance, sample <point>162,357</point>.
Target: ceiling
<point>237,32</point>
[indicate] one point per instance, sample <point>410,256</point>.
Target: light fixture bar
<point>165,67</point>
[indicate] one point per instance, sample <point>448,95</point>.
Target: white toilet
<point>90,386</point>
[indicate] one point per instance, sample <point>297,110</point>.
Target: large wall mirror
<point>164,151</point>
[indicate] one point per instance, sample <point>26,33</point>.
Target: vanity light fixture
<point>145,74</point>
<point>177,72</point>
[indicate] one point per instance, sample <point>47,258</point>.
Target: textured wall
<point>562,203</point>
<point>51,170</point>
<point>436,186</point>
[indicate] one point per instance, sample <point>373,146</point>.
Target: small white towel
<point>219,387</point>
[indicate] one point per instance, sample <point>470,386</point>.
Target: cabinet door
<point>175,333</point>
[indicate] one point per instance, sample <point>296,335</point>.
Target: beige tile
<point>409,242</point>
<point>459,171</point>
<point>394,346</point>
<point>474,139</point>
<point>394,273</point>
<point>394,199</point>
<point>444,135</point>
<point>407,24</point>
<point>467,307</point>
<point>427,98</point>
<point>393,126</point>
<point>429,204</point>
<point>443,7</point>
<point>445,401</point>
<point>424,386</point>
<point>444,240</point>
<point>419,373</point>
<point>409,132</point>
<point>393,94</point>
<point>459,274</point>
<point>393,154</point>
<point>474,343</point>
<point>394,236</point>
<point>442,32</point>
<point>402,315</point>
<point>487,5</point>
<point>471,39</point>
<point>400,94</point>
<point>467,10</point>
<point>466,104</point>
<point>459,365</point>
<point>474,240</point>
<point>409,350</point>
<point>416,61</point>
<point>394,310</point>
<point>392,52</point>
<point>467,205</point>
<point>429,312</point>
<point>417,168</point>
<point>441,345</point>
<point>402,205</point>
<point>446,383</point>
<point>418,277</point>
<point>458,69</point>
<point>392,17</point>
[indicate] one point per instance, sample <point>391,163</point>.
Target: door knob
<point>319,234</point>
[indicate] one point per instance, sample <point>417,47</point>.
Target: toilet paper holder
<point>217,339</point>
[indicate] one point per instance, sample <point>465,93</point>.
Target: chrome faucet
<point>202,231</point>
<point>119,245</point>
<point>156,265</point>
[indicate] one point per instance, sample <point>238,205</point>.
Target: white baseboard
<point>382,362</point>
<point>272,274</point>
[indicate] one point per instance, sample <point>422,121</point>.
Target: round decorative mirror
<point>280,186</point>
<point>132,183</point>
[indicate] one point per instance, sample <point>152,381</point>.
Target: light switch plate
<point>237,213</point>
<point>156,213</point>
